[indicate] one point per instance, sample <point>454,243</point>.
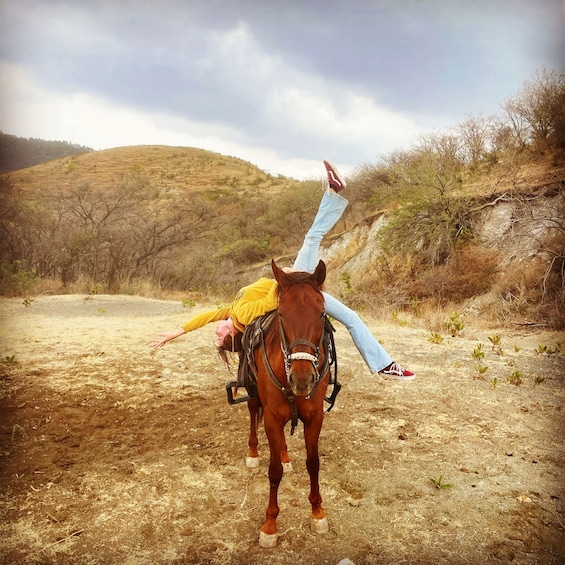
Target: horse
<point>292,366</point>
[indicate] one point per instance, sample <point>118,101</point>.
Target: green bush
<point>14,279</point>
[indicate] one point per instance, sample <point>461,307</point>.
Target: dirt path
<point>113,453</point>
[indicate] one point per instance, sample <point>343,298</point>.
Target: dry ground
<point>114,453</point>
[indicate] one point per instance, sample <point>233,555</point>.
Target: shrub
<point>428,230</point>
<point>470,271</point>
<point>14,279</point>
<point>244,251</point>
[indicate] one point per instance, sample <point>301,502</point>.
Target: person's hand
<point>164,338</point>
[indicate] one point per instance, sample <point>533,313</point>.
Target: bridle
<point>325,340</point>
<point>289,357</point>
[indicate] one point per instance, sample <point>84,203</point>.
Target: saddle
<point>247,369</point>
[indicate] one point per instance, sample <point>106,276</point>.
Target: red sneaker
<point>334,178</point>
<point>395,371</point>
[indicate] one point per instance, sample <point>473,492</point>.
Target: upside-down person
<point>261,296</point>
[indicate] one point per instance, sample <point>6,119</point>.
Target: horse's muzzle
<point>302,382</point>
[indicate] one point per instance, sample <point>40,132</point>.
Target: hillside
<point>19,152</point>
<point>167,169</point>
<point>180,218</point>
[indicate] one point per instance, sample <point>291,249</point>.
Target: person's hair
<point>230,345</point>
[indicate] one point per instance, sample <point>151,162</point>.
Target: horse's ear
<point>280,275</point>
<point>320,273</point>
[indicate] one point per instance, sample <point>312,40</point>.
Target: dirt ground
<point>114,453</point>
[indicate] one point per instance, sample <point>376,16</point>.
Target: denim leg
<point>371,350</point>
<point>330,211</point>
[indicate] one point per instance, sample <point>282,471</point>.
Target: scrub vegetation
<point>152,220</point>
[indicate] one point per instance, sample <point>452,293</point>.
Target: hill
<point>19,152</point>
<point>166,168</point>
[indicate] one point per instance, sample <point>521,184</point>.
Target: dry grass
<point>166,168</point>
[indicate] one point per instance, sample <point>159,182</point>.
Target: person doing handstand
<point>261,297</point>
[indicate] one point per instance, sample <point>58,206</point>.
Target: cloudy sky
<point>280,83</point>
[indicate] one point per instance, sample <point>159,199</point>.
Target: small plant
<point>415,306</point>
<point>495,340</point>
<point>101,311</point>
<point>399,320</point>
<point>27,301</point>
<point>538,380</point>
<point>516,378</point>
<point>494,382</point>
<point>435,338</point>
<point>9,360</point>
<point>439,484</point>
<point>454,325</point>
<point>346,280</point>
<point>478,352</point>
<point>187,303</point>
<point>540,349</point>
<point>93,291</point>
<point>481,370</point>
<point>517,348</point>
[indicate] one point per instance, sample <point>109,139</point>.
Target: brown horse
<point>292,379</point>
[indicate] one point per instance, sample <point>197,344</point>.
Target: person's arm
<point>244,312</point>
<point>193,324</point>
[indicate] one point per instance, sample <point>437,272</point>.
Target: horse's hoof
<point>319,526</point>
<point>287,467</point>
<point>252,462</point>
<point>267,540</point>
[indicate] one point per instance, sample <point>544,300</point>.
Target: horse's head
<point>301,315</point>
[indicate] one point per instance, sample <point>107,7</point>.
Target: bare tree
<point>107,236</point>
<point>537,113</point>
<point>475,135</point>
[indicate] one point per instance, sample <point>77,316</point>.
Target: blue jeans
<point>330,211</point>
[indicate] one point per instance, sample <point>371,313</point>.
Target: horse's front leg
<point>275,434</point>
<point>252,458</point>
<point>312,428</point>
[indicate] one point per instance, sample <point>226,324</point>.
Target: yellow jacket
<point>250,302</point>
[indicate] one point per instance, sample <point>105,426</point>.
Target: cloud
<point>290,108</point>
<point>256,107</point>
<point>282,88</point>
<point>87,120</point>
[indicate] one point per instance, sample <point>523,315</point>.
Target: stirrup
<point>230,385</point>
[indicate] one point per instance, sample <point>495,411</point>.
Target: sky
<point>282,84</point>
